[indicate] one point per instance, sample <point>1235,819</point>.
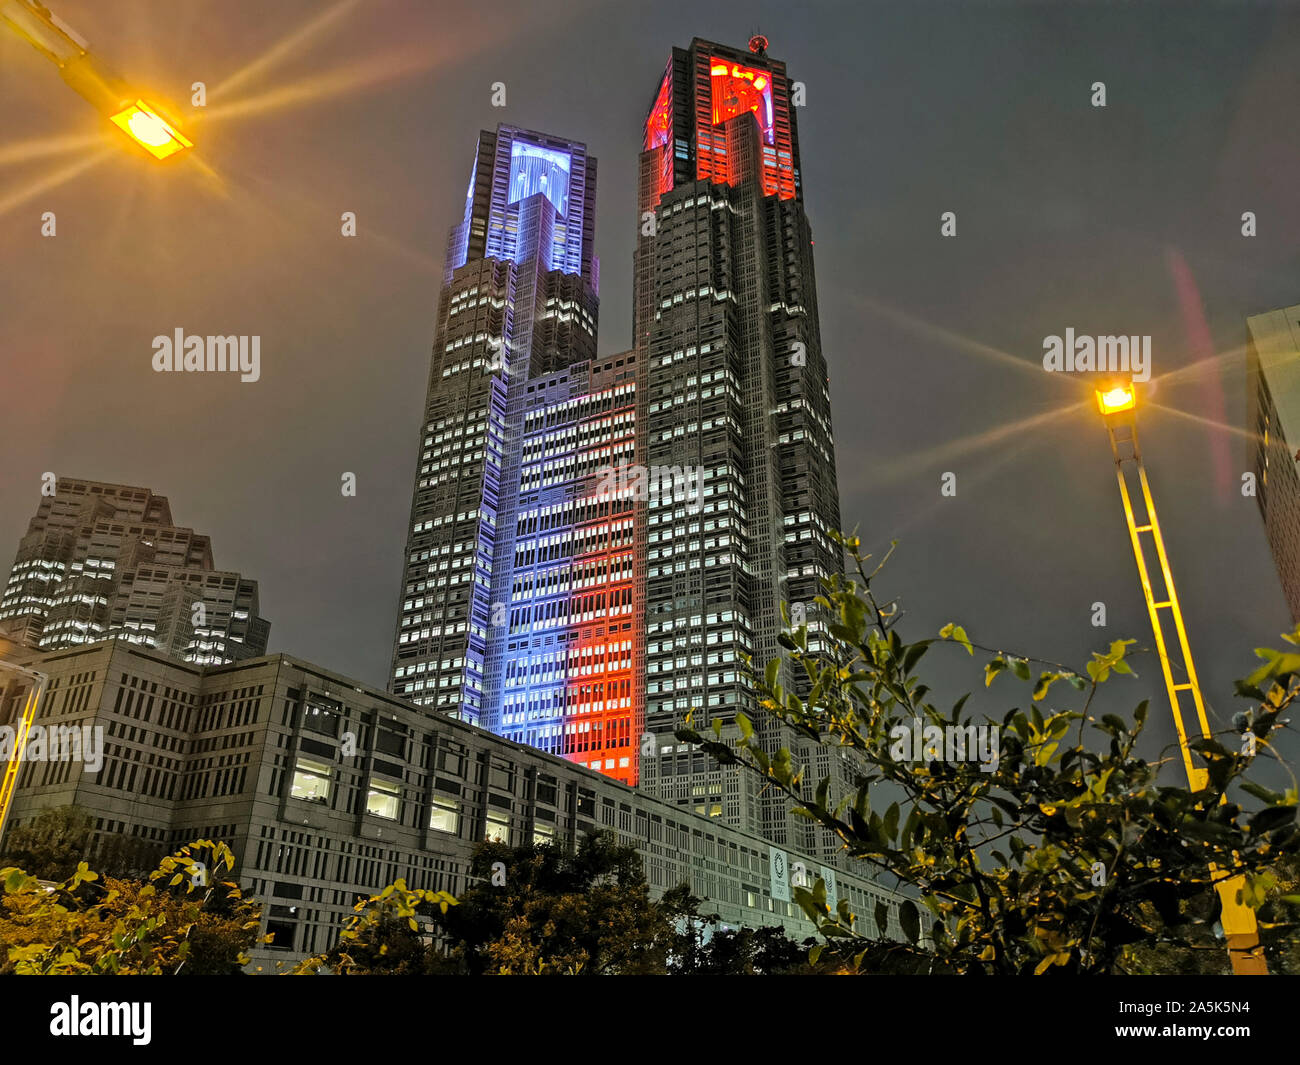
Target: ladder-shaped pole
<point>24,725</point>
<point>1149,524</point>
<point>1238,920</point>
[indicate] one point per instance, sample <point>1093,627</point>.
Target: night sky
<point>1117,220</point>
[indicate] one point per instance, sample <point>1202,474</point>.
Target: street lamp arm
<point>44,30</point>
<point>152,125</point>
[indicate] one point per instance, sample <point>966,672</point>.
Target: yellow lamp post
<point>1118,406</point>
<point>35,688</point>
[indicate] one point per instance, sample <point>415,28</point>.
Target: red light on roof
<point>736,89</point>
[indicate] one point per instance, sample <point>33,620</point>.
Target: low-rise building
<point>327,790</point>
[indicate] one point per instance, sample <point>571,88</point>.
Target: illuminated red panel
<point>659,126</point>
<point>603,718</point>
<point>737,89</point>
<point>659,133</point>
<point>600,697</point>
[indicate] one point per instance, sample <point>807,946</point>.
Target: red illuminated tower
<point>732,381</point>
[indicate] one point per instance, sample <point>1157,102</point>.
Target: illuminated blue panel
<point>458,245</point>
<point>535,169</point>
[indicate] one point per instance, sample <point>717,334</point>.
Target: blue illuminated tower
<point>519,301</point>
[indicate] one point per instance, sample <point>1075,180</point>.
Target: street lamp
<point>1118,406</point>
<point>150,130</point>
<point>147,123</point>
<point>1116,399</point>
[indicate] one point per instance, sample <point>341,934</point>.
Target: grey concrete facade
<point>256,754</point>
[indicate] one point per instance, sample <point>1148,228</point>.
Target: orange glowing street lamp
<point>144,125</point>
<point>147,124</point>
<point>1116,399</point>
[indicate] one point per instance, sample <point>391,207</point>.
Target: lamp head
<point>1116,398</point>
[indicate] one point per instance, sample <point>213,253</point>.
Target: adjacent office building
<point>1273,399</point>
<point>102,560</point>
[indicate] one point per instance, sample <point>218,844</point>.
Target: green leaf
<point>913,655</point>
<point>770,674</point>
<point>1279,665</point>
<point>910,918</point>
<point>957,633</point>
<point>16,880</point>
<point>891,822</point>
<point>993,669</point>
<point>1260,792</point>
<point>1273,818</point>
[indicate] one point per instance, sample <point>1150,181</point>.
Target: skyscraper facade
<point>517,608</point>
<point>573,641</point>
<point>106,560</point>
<point>1273,399</point>
<point>732,382</point>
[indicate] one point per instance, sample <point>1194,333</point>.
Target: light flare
<point>51,181</point>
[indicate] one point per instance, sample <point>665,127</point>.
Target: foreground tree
<point>705,949</point>
<point>1197,946</point>
<point>1051,856</point>
<point>384,937</point>
<point>539,909</point>
<point>190,917</point>
<point>51,846</point>
<point>531,910</point>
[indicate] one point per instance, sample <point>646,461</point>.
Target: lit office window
<point>445,815</point>
<point>311,780</point>
<point>498,827</point>
<point>383,799</point>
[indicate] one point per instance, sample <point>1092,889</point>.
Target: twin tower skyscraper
<point>598,544</point>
